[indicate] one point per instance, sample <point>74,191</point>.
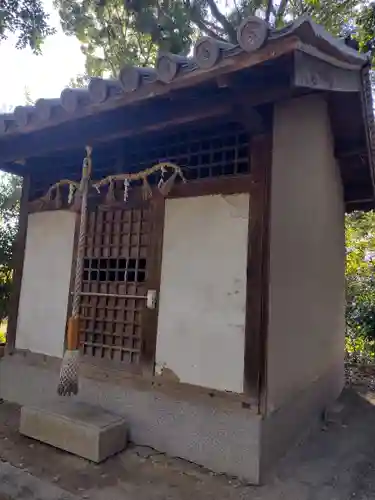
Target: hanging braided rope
<point>164,185</point>
<point>82,233</point>
<point>68,383</point>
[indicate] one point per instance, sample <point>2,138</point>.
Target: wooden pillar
<point>257,267</point>
<point>151,316</point>
<point>18,261</point>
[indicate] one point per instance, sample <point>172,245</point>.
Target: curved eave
<point>257,43</point>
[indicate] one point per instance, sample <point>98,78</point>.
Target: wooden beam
<point>362,205</point>
<point>12,168</point>
<point>109,126</point>
<point>225,185</point>
<point>257,268</point>
<point>313,73</point>
<point>123,123</point>
<point>350,150</point>
<point>18,261</point>
<point>150,316</point>
<point>357,192</point>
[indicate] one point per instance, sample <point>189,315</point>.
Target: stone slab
<point>79,428</point>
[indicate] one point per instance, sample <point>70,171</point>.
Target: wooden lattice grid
<point>202,151</point>
<point>116,258</point>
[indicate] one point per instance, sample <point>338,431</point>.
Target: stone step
<point>84,430</point>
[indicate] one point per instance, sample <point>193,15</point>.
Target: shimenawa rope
<point>68,383</point>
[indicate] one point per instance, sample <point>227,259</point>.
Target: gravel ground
<point>337,462</point>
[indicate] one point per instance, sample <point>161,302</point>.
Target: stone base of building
<point>236,442</point>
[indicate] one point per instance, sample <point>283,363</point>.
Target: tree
<point>10,193</point>
<point>10,187</point>
<point>118,32</point>
<point>365,20</point>
<point>79,82</point>
<point>28,20</point>
<point>360,283</point>
<point>107,33</point>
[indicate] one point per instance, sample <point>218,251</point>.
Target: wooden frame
<point>257,268</point>
<point>18,261</point>
<point>214,186</point>
<point>249,400</point>
<point>149,316</point>
<point>121,125</point>
<point>256,183</point>
<point>316,73</point>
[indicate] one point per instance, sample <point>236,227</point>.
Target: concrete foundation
<point>221,439</point>
<point>294,420</point>
<point>84,430</point>
<point>236,442</point>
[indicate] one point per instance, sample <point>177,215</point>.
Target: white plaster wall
<point>307,261</point>
<point>201,328</point>
<point>45,282</point>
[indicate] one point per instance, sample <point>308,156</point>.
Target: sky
<point>43,76</point>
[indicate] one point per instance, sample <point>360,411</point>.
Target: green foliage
<point>3,332</point>
<point>337,17</point>
<point>79,82</point>
<point>365,20</point>
<point>9,209</point>
<point>360,280</point>
<point>108,35</point>
<point>118,32</point>
<point>27,19</point>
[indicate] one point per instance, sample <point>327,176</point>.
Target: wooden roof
<point>256,43</point>
<point>265,65</point>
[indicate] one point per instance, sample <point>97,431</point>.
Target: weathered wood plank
<point>313,73</point>
<point>109,126</point>
<point>150,316</point>
<point>18,261</point>
<point>122,123</point>
<point>257,268</point>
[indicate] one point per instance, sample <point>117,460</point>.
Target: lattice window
<point>203,151</point>
<point>115,270</point>
<point>116,263</point>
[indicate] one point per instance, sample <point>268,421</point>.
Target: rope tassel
<point>146,189</point>
<point>58,199</point>
<point>68,382</point>
<point>126,189</point>
<point>72,190</point>
<point>165,187</point>
<point>110,198</point>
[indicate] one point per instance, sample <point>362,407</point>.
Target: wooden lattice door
<point>122,258</point>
